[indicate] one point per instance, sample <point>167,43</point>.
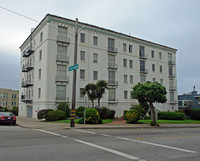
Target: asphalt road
<point>23,144</point>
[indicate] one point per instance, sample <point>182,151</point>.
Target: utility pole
<point>72,124</point>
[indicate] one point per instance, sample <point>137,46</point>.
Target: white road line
<point>105,135</point>
<point>127,139</point>
<point>164,146</point>
<point>110,150</point>
<point>49,132</point>
<point>85,131</point>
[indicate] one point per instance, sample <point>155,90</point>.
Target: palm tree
<point>101,87</point>
<point>90,89</point>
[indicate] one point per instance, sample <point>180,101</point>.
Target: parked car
<point>7,118</point>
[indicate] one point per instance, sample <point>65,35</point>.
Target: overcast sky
<point>174,23</point>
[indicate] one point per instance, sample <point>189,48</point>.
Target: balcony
<point>143,56</point>
<point>112,66</point>
<point>112,100</point>
<point>61,58</point>
<point>143,71</point>
<point>27,67</point>
<point>171,75</point>
<point>62,99</point>
<point>64,79</point>
<point>173,101</point>
<point>63,40</point>
<point>112,50</point>
<point>28,51</point>
<point>112,83</point>
<point>26,99</point>
<point>170,62</point>
<point>27,83</point>
<point>172,88</point>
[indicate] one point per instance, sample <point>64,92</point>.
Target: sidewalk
<point>117,124</point>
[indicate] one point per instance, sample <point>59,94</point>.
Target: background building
<point>9,98</point>
<point>103,54</point>
<point>191,99</point>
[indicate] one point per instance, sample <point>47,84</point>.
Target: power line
<point>19,14</point>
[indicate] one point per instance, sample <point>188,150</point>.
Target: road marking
<point>110,150</point>
<point>85,131</point>
<point>105,135</point>
<point>127,139</point>
<point>96,146</point>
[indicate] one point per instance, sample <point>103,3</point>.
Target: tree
<point>90,89</point>
<point>150,92</point>
<point>101,87</point>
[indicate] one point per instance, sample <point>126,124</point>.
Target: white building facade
<point>120,59</point>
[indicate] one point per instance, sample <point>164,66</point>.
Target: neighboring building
<point>9,98</point>
<point>191,99</point>
<point>103,54</point>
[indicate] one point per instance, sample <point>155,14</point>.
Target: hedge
<point>195,114</point>
<point>170,115</point>
<point>56,115</point>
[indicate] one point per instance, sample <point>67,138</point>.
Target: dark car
<point>7,118</point>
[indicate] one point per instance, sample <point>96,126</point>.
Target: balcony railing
<point>27,67</point>
<point>62,78</point>
<point>171,62</point>
<point>172,88</point>
<point>173,101</point>
<point>63,39</point>
<point>144,71</point>
<point>61,58</point>
<point>112,66</point>
<point>26,99</point>
<point>143,56</point>
<point>112,50</point>
<point>61,98</point>
<point>171,75</point>
<point>27,83</point>
<point>112,100</point>
<point>112,83</point>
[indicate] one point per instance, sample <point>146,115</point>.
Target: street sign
<point>73,67</point>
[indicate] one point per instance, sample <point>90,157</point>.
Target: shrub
<point>15,110</point>
<point>111,114</point>
<point>132,116</point>
<point>55,115</point>
<point>80,111</point>
<point>125,111</point>
<point>3,109</point>
<point>42,114</point>
<point>64,107</point>
<point>92,116</point>
<point>140,109</point>
<point>195,114</point>
<point>170,115</point>
<point>187,111</point>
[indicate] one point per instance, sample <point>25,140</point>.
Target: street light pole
<point>72,124</point>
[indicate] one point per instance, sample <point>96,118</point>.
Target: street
<point>150,144</point>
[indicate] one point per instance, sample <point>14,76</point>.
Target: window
<point>172,96</point>
<point>152,53</point>
<point>82,55</point>
<point>171,83</point>
<point>131,79</point>
<point>142,78</point>
<point>111,60</point>
<point>40,55</point>
<point>161,82</point>
<point>124,47</point>
<point>95,75</point>
<point>160,55</point>
<point>153,67</point>
<point>13,95</point>
<point>125,62</point>
<point>130,63</point>
<point>61,72</point>
<point>130,48</point>
<point>61,53</point>
<point>82,74</point>
<point>160,68</point>
<point>111,94</point>
<point>95,57</point>
<point>170,57</point>
<point>62,34</point>
<point>111,77</point>
<point>125,94</point>
<point>81,92</point>
<point>41,36</point>
<point>95,40</point>
<point>111,44</point>
<point>39,92</point>
<point>141,51</point>
<point>60,92</point>
<point>154,79</point>
<point>142,65</point>
<point>82,37</point>
<point>125,79</point>
<point>40,74</point>
<point>171,70</point>
<point>180,103</point>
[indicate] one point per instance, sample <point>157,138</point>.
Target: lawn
<point>76,121</point>
<point>186,121</point>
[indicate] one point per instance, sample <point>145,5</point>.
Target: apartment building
<point>103,54</point>
<point>9,98</point>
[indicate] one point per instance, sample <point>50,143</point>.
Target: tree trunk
<point>99,102</point>
<point>153,115</point>
<point>92,103</point>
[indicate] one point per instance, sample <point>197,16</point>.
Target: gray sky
<point>174,23</point>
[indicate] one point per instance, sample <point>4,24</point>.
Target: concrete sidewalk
<point>38,124</point>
